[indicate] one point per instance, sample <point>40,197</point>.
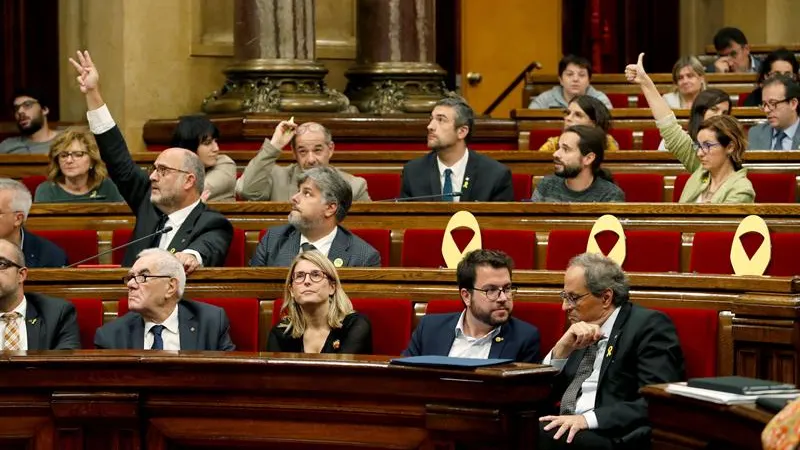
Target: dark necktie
<point>779,137</point>
<point>158,342</point>
<point>154,243</point>
<point>585,368</point>
<point>307,247</point>
<point>447,191</point>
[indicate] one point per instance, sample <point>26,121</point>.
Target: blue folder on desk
<point>448,362</point>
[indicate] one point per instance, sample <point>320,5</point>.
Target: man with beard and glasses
<point>318,208</point>
<point>485,329</point>
<point>452,168</point>
<point>30,111</point>
<point>168,197</point>
<point>31,321</point>
<point>578,175</point>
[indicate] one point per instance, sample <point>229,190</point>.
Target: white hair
<point>167,264</point>
<point>21,199</point>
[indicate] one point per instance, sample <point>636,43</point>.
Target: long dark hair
<point>705,101</point>
<point>593,140</point>
<point>595,110</point>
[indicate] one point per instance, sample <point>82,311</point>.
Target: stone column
<point>274,68</point>
<point>396,68</point>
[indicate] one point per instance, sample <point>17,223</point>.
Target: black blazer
<point>485,180</point>
<point>205,231</point>
<point>643,349</point>
<point>281,244</point>
<point>435,334</point>
<point>40,252</point>
<point>201,327</point>
<point>355,337</point>
<point>51,323</point>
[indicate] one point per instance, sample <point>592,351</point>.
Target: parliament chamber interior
<point>371,74</point>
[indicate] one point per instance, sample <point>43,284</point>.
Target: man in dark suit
<point>15,204</point>
<point>30,321</point>
<point>169,197</point>
<point>612,349</point>
<point>158,317</point>
<point>452,168</point>
<point>780,100</point>
<point>485,329</point>
<point>318,208</point>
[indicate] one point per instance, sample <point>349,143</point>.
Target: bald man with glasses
<point>485,328</point>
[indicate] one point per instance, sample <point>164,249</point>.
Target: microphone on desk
<point>420,197</point>
<point>149,236</point>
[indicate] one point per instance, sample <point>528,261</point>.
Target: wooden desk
<point>685,423</point>
<point>158,400</point>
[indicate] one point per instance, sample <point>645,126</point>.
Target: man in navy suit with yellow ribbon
<point>485,329</point>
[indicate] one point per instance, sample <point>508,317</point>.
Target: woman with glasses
<point>713,156</point>
<point>779,62</point>
<point>584,110</point>
<point>709,103</point>
<point>75,172</point>
<point>317,316</point>
<point>198,134</point>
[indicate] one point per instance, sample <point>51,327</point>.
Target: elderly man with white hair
<point>159,318</point>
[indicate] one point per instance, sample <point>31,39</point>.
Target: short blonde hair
<point>339,305</point>
<point>97,169</point>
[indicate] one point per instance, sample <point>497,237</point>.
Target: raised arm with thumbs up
<point>635,74</point>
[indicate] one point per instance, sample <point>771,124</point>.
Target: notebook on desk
<point>448,362</point>
<point>742,385</point>
<point>773,404</point>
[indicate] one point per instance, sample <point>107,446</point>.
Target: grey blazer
<point>760,137</point>
<point>201,327</point>
<point>281,244</point>
<point>263,180</point>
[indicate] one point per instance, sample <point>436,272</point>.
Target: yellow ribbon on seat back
<point>757,265</point>
<point>452,255</point>
<point>608,222</point>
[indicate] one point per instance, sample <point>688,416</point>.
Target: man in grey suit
<point>312,145</point>
<point>317,210</point>
<point>30,321</point>
<point>159,319</point>
<point>780,97</point>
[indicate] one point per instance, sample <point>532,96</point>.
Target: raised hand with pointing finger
<point>635,72</point>
<point>88,77</point>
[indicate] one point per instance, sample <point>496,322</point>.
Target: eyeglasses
<point>5,264</point>
<point>789,74</point>
<point>164,170</point>
<point>705,147</point>
<point>315,275</point>
<point>572,299</point>
<point>27,104</point>
<point>141,278</point>
<point>493,293</point>
<point>75,155</point>
<point>772,104</point>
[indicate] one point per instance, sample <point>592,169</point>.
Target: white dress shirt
<point>469,347</point>
<point>323,245</point>
<point>170,335</point>
<point>586,400</point>
<point>786,143</point>
<point>457,177</point>
<point>22,308</point>
<point>100,121</point>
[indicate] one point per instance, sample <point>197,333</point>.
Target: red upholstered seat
<point>90,317</point>
<point>380,240</point>
<point>680,183</point>
<point>697,333</point>
<point>774,187</point>
<point>78,244</point>
<point>390,319</point>
<point>235,256</point>
<point>549,318</point>
<point>242,314</point>
<point>422,247</point>
<point>33,181</point>
<point>784,261</point>
<point>119,237</point>
<point>641,101</point>
<point>651,139</point>
<point>742,97</point>
<point>647,251</point>
<point>539,137</point>
<point>618,100</point>
<point>523,186</point>
<point>382,186</point>
<point>711,252</point>
<point>623,136</point>
<point>641,187</point>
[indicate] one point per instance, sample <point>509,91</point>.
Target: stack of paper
<point>723,398</point>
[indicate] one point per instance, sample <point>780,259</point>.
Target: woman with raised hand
<point>709,103</point>
<point>317,315</point>
<point>713,156</point>
<point>584,110</point>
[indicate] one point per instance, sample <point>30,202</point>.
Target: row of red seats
<point>391,324</point>
<point>638,187</point>
<point>647,251</point>
<point>620,100</point>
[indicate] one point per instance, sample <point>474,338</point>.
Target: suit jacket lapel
<point>181,239</point>
<point>340,247</point>
<point>435,181</point>
<point>136,333</point>
<point>444,337</point>
<point>796,139</point>
<point>616,332</point>
<point>34,328</point>
<point>499,343</point>
<point>288,248</point>
<point>470,177</point>
<point>187,328</point>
